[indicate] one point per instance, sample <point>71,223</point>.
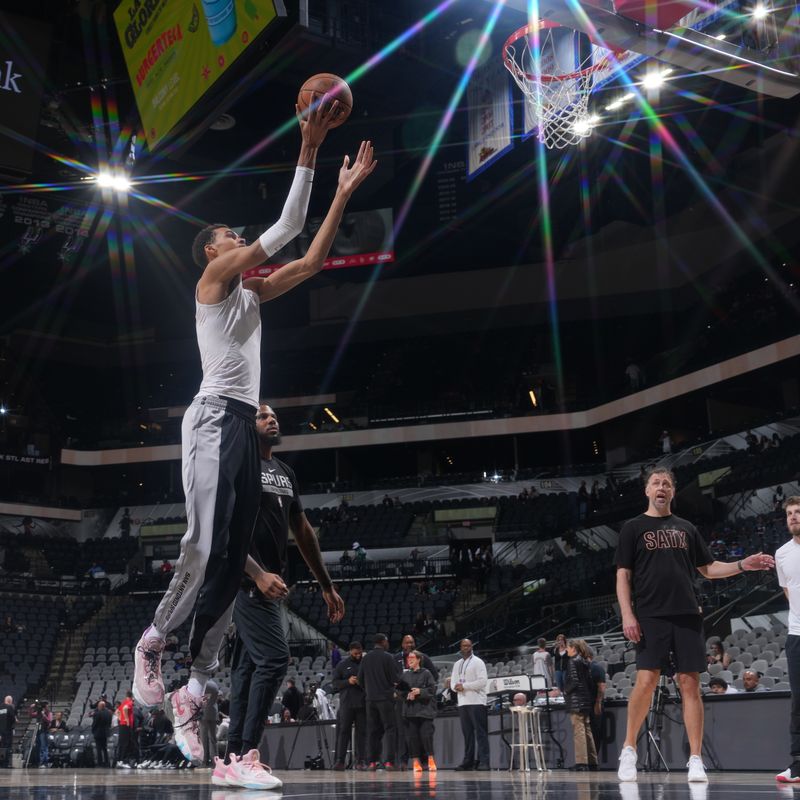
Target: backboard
<point>750,43</point>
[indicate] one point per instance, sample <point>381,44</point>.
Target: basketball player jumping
<point>220,456</point>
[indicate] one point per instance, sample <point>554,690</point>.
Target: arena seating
<point>27,651</point>
<point>390,607</point>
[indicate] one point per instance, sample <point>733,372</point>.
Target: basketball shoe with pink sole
<point>248,772</point>
<point>186,713</point>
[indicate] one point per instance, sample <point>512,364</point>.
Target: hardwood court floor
<point>96,784</point>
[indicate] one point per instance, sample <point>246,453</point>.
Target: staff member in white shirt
<point>787,564</point>
<point>468,681</point>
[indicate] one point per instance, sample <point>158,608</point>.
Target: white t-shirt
<point>471,674</point>
<point>229,338</point>
<point>787,565</point>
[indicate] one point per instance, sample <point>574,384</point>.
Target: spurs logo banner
<point>24,48</point>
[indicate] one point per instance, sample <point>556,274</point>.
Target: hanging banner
<point>176,51</point>
<point>24,49</point>
<point>490,117</point>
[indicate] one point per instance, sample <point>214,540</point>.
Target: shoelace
<point>252,765</point>
<point>153,659</point>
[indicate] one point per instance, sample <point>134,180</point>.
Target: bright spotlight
<point>654,80</point>
<point>720,36</point>
<point>620,101</point>
<point>584,126</point>
<point>3,411</point>
<point>119,183</point>
<point>760,12</point>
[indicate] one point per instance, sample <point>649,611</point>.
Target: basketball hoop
<point>557,88</point>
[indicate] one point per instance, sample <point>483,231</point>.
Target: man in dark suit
<point>379,674</point>
<point>407,646</point>
<point>8,718</point>
<point>352,709</point>
<point>101,727</point>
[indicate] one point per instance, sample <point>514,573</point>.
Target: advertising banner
<point>176,51</point>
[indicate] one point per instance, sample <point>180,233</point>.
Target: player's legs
<point>689,651</point>
<point>689,683</point>
<point>241,675</point>
<point>259,623</point>
<point>639,703</point>
<point>221,484</point>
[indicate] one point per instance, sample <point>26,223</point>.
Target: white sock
<point>154,633</point>
<point>197,688</point>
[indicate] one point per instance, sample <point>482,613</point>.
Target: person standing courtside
<point>468,680</point>
<point>787,563</point>
<point>352,709</point>
<point>419,712</point>
<point>658,556</point>
<point>261,653</point>
<point>379,674</point>
<point>8,719</point>
<point>221,470</point>
<point>101,728</point>
<point>407,645</point>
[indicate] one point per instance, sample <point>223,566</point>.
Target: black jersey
<point>280,501</point>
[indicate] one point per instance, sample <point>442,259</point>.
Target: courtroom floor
<point>96,784</point>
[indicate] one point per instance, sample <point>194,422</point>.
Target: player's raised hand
<point>317,119</point>
<point>350,178</point>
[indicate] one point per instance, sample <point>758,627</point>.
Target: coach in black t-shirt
<point>261,653</point>
<point>657,558</point>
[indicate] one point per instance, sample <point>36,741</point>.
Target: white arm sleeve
<point>293,216</point>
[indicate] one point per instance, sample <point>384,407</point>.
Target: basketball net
<point>557,93</point>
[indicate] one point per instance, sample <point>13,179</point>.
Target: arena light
<point>583,126</point>
<point>655,79</point>
<point>108,180</point>
<point>3,411</point>
<point>760,12</point>
<point>620,101</point>
<point>532,396</point>
<point>331,415</point>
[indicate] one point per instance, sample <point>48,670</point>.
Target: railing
<point>26,584</point>
<point>394,568</point>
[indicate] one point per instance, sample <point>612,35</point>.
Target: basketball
<point>332,85</point>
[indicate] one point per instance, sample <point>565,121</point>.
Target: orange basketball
<point>324,83</point>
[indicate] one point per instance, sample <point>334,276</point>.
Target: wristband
<point>739,564</point>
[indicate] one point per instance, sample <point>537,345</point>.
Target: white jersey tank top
<point>229,338</point>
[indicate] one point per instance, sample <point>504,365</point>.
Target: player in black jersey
<point>261,653</point>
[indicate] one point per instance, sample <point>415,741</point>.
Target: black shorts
<point>669,643</point>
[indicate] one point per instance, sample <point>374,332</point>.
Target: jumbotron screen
<point>175,52</point>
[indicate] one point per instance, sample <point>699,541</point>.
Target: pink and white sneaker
<point>148,685</point>
<point>248,772</point>
<point>220,774</point>
<point>186,713</point>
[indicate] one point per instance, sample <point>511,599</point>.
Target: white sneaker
<point>627,764</point>
<point>249,773</point>
<point>697,770</point>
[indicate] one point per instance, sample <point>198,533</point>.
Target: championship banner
<point>176,51</point>
<point>29,222</point>
<point>490,117</point>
